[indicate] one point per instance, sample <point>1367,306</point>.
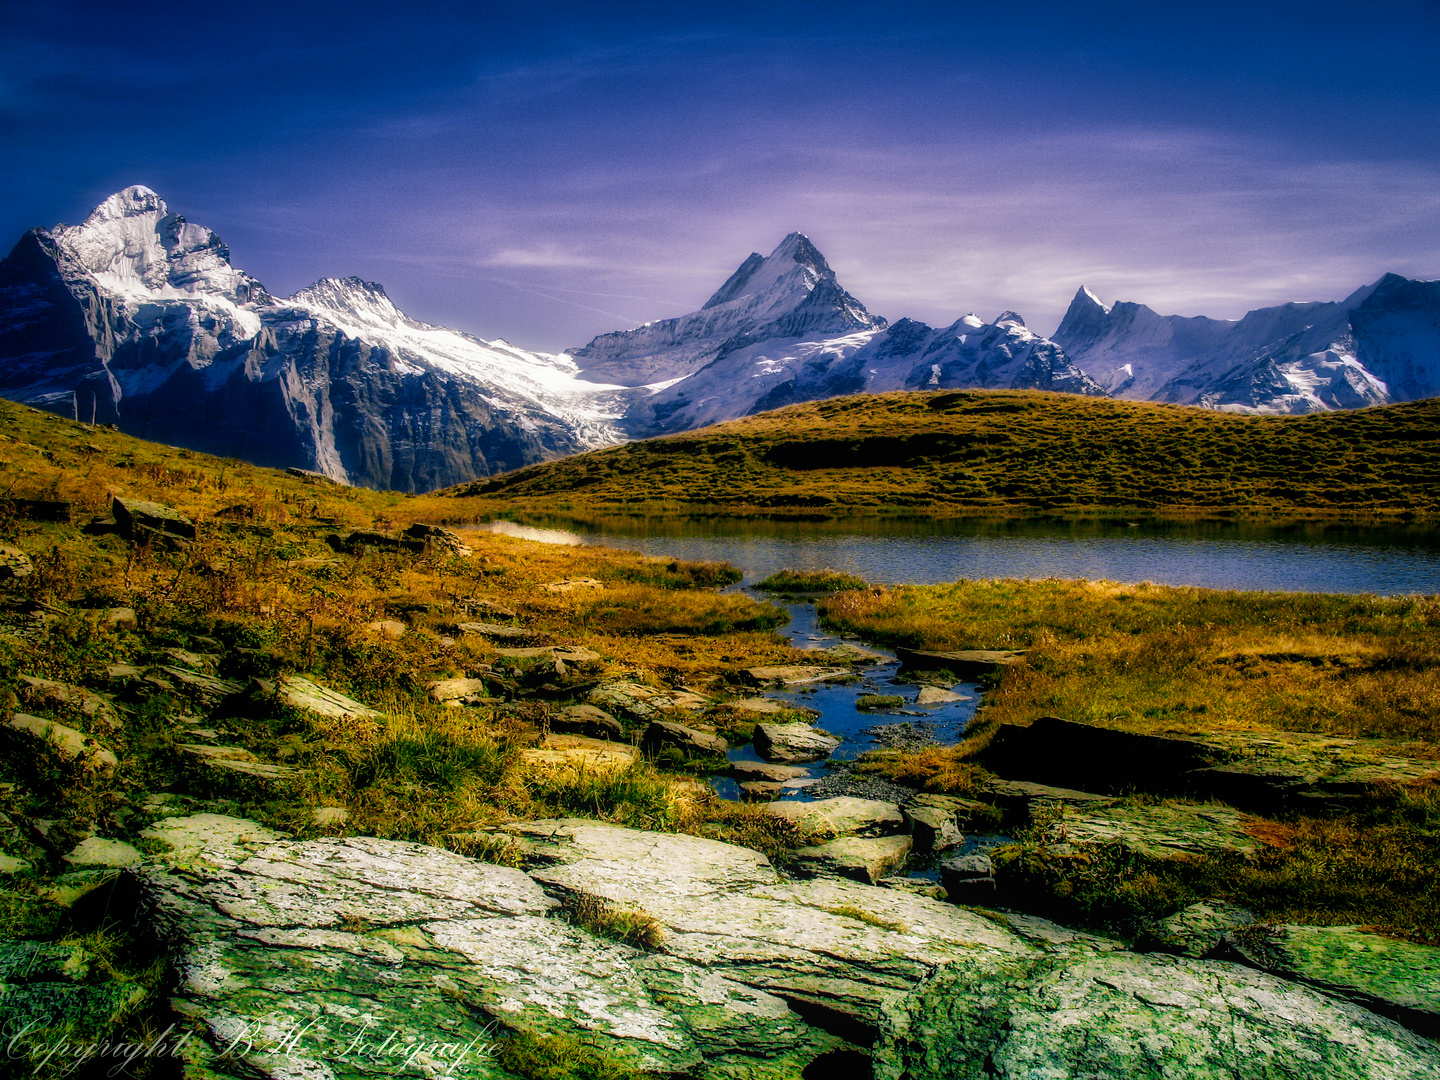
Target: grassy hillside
<point>1012,452</point>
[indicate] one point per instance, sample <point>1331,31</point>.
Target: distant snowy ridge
<point>138,318</point>
<point>1379,345</point>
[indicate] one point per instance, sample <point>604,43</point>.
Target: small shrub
<point>811,581</point>
<point>599,916</point>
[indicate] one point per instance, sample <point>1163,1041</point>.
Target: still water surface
<point>1387,562</point>
<point>1313,559</point>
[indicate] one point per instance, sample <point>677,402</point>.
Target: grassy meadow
<point>1008,453</point>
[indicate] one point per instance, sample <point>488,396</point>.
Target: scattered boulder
<point>207,690</point>
<point>968,879</point>
<point>393,629</point>
<point>302,693</point>
<point>310,476</point>
<point>934,695</point>
<point>587,720</point>
<point>439,538</point>
<point>362,540</point>
<point>793,675</point>
<point>859,858</point>
<point>70,744</point>
<point>968,664</point>
<point>14,563</point>
<point>1200,929</point>
<point>848,653</point>
<point>760,790</point>
<point>46,692</point>
<point>455,689</point>
<point>762,706</point>
<point>690,742</point>
<point>843,816</point>
<point>632,700</point>
<point>237,759</point>
<point>793,742</point>
<point>138,520</point>
<point>933,828</point>
<point>98,852</point>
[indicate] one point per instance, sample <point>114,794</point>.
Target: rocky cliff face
<point>1379,345</point>
<point>137,318</point>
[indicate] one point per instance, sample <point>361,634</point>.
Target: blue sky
<point>546,172</point>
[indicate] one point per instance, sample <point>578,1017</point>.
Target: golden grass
<point>1005,452</point>
<point>1178,660</point>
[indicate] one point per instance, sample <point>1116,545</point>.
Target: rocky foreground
<point>367,957</point>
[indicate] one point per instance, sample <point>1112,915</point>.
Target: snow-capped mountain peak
<point>364,301</point>
<point>135,247</point>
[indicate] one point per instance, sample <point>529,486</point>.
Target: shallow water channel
<point>1384,561</point>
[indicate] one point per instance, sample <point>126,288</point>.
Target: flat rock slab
<point>843,816</point>
<point>577,751</point>
<point>966,663</point>
<point>1092,1014</point>
<point>96,851</point>
<point>1020,797</point>
<point>570,654</point>
<point>47,692</point>
<point>760,706</point>
<point>1396,978</point>
<point>74,746</point>
<point>764,771</point>
<point>393,629</point>
<point>196,834</point>
<point>277,936</point>
<point>570,585</point>
<point>237,759</point>
<point>455,689</point>
<point>794,675</point>
<point>1160,832</point>
<point>496,631</point>
<point>793,742</point>
<point>134,516</point>
<point>1202,928</point>
<point>690,742</point>
<point>859,858</point>
<point>302,693</point>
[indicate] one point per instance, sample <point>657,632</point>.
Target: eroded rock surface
<point>300,958</point>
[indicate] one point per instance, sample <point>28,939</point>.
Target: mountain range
<point>138,318</point>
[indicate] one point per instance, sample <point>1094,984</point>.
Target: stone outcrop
<point>303,958</point>
<point>138,519</point>
<point>687,741</point>
<point>785,743</point>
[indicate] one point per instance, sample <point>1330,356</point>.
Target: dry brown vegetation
<point>1008,453</point>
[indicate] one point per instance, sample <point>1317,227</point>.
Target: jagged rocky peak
<point>136,247</point>
<point>1009,318</point>
<point>353,296</point>
<point>796,263</point>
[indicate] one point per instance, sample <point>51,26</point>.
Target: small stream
<point>835,702</point>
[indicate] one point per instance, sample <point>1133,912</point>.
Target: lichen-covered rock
<point>1200,929</point>
<point>14,563</point>
<point>787,743</point>
<point>1159,832</point>
<point>794,675</point>
<point>865,859</point>
<point>634,701</point>
<point>587,720</point>
<point>48,692</point>
<point>1397,978</point>
<point>455,689</point>
<point>843,816</point>
<point>137,518</point>
<point>302,693</point>
<point>688,741</point>
<point>1116,1014</point>
<point>72,745</point>
<point>440,538</point>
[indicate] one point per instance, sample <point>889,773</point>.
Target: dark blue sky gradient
<point>546,172</point>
